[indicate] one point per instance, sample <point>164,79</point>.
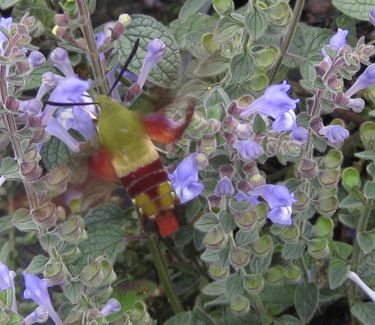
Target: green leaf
<point>6,297</point>
<point>193,6</point>
<point>366,155</point>
<point>292,251</point>
<point>106,214</point>
<point>369,190</point>
<point>242,67</point>
<point>337,272</point>
<point>212,66</point>
<point>181,318</point>
<point>233,285</point>
<point>202,316</point>
<point>256,23</point>
<point>223,6</point>
<point>206,222</point>
<point>6,4</point>
<point>364,312</point>
<point>9,168</point>
<point>246,237</point>
<point>306,299</point>
<point>5,223</point>
<point>216,288</point>
<point>351,202</point>
<point>37,264</point>
<point>14,319</point>
<point>323,227</point>
<point>226,221</point>
<point>73,291</point>
<point>366,241</point>
<point>355,8</point>
<point>307,43</point>
<point>227,28</point>
<point>23,220</point>
<point>55,153</point>
<point>287,320</point>
<point>105,240</point>
<point>167,72</point>
<point>183,236</point>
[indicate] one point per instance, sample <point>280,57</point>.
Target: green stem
<point>356,255</point>
<point>89,36</point>
<point>163,274</point>
<point>289,36</point>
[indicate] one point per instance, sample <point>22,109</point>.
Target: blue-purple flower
<point>338,40</point>
<point>278,198</point>
<point>285,121</point>
<point>273,102</point>
<point>365,80</point>
<point>5,23</point>
<point>334,133</point>
<point>39,315</point>
<point>185,179</point>
<point>37,290</point>
<point>300,134</point>
<point>248,149</point>
<point>112,306</point>
<point>7,282</point>
<point>224,187</point>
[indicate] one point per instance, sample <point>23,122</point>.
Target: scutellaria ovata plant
<point>259,172</point>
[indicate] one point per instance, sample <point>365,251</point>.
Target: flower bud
<point>62,19</point>
<point>39,315</point>
<point>215,239</point>
<point>201,160</point>
<point>12,103</point>
<point>240,306</point>
<point>356,104</point>
<point>214,202</point>
<point>65,33</point>
<point>217,272</point>
<point>225,170</point>
<point>230,138</point>
<point>224,187</point>
<point>125,20</point>
<point>243,131</point>
<point>36,59</point>
<point>239,257</point>
<point>253,283</point>
<point>112,306</point>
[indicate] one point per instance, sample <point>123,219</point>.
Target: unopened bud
<point>125,20</point>
<point>243,131</point>
<point>225,187</point>
<point>36,59</point>
<point>230,138</point>
<point>62,19</point>
<point>12,103</point>
<point>214,202</point>
<point>356,104</point>
<point>112,306</point>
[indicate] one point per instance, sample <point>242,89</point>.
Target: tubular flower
<point>5,23</point>
<point>300,134</point>
<point>155,52</point>
<point>285,121</point>
<point>185,180</point>
<point>338,40</point>
<point>7,281</point>
<point>37,290</point>
<point>334,133</point>
<point>112,306</point>
<point>248,149</point>
<point>273,102</point>
<point>39,315</point>
<point>365,80</point>
<point>278,198</point>
<point>36,59</point>
<point>224,187</point>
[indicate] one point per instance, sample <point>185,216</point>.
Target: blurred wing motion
<point>124,136</point>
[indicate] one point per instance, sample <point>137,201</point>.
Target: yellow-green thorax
<point>121,133</point>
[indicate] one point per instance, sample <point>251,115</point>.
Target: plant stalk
<point>164,277</point>
<point>288,37</point>
<point>88,34</point>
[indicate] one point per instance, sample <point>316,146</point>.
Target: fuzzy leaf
<point>337,272</point>
<point>364,312</point>
<point>55,153</point>
<point>207,222</point>
<point>166,74</point>
<point>306,299</point>
<point>193,6</point>
<point>37,264</point>
<point>355,8</point>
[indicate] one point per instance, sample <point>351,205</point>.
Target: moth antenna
<point>125,66</point>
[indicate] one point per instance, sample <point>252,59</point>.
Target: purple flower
<point>7,282</point>
<point>285,121</point>
<point>278,198</point>
<point>356,104</point>
<point>365,80</point>
<point>155,52</point>
<point>112,306</point>
<point>37,290</point>
<point>5,23</point>
<point>242,196</point>
<point>36,59</point>
<point>300,134</point>
<point>371,15</point>
<point>334,133</point>
<point>224,187</point>
<point>273,102</point>
<point>185,179</point>
<point>60,59</point>
<point>39,315</point>
<point>338,40</point>
<point>248,149</point>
